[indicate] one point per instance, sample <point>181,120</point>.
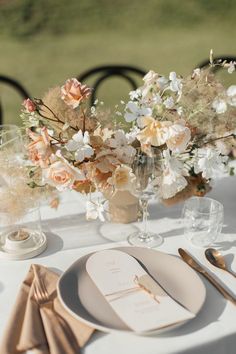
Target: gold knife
<point>195,265</point>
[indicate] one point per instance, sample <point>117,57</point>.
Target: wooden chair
<point>102,73</point>
<point>15,85</point>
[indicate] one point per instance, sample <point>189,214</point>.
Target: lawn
<point>45,60</point>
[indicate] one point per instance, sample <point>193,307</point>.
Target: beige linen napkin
<point>45,328</point>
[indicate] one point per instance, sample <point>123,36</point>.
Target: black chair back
<point>107,71</point>
<point>15,85</point>
<point>227,58</point>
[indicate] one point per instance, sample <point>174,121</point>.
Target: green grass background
<point>44,42</point>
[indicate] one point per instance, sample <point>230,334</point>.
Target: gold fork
<point>59,333</point>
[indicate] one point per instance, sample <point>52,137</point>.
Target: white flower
<point>162,82</point>
<point>209,162</point>
<point>122,178</point>
<point>95,210</point>
<point>231,93</point>
<point>172,180</point>
<point>121,147</point>
<point>135,95</point>
<point>196,72</point>
<point>175,83</point>
<point>133,111</point>
<point>169,102</point>
<point>178,136</point>
<point>219,105</point>
<point>231,67</point>
<point>79,144</point>
<point>132,135</point>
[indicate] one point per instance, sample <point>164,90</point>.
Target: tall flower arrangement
<point>188,122</point>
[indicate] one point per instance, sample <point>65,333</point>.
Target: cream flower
<point>62,175</point>
<point>39,149</point>
<point>73,92</point>
<point>79,144</point>
<point>154,132</point>
<point>122,178</point>
<point>172,180</point>
<point>150,78</point>
<point>178,137</point>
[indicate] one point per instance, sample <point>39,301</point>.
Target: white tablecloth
<point>70,236</point>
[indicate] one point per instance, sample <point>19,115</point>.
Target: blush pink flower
<point>39,149</point>
<point>29,105</point>
<point>73,92</point>
<point>62,175</point>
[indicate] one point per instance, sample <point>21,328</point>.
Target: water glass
<point>203,220</point>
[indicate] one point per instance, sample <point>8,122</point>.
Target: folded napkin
<point>46,328</point>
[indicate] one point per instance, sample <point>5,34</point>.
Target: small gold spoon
<point>216,258</point>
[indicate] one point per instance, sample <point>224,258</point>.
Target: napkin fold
<point>46,328</point>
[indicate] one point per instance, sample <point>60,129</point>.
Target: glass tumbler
<point>203,220</point>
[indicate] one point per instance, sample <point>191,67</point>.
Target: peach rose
<point>61,175</point>
<point>39,149</point>
<point>73,92</point>
<point>29,105</point>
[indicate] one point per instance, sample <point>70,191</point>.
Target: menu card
<point>141,303</point>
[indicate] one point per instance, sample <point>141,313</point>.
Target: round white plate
<point>82,299</point>
<point>39,244</point>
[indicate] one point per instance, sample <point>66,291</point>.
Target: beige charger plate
<point>83,300</point>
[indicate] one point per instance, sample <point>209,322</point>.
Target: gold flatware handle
<point>219,287</point>
<point>187,258</point>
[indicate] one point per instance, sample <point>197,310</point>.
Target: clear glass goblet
<point>143,167</point>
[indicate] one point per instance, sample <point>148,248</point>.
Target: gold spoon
<point>216,258</point>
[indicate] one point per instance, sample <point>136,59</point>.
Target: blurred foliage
<point>22,18</point>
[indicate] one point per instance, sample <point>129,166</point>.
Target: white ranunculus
<point>219,105</point>
<point>209,162</point>
<point>79,144</point>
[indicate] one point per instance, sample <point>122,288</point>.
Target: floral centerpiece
<point>189,123</point>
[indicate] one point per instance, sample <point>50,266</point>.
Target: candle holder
<point>23,239</point>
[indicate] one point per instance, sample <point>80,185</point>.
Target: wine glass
<point>143,167</point>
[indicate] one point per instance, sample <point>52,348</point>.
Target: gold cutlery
<point>216,258</point>
<point>187,258</point>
